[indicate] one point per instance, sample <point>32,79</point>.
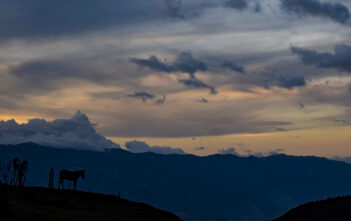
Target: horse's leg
<point>75,184</point>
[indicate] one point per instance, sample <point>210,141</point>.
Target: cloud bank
<point>77,132</point>
<point>142,147</point>
<point>248,152</point>
<point>174,9</point>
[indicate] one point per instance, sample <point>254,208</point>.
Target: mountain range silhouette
<point>216,187</point>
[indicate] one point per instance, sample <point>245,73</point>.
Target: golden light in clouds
<point>327,142</point>
<point>310,133</point>
<point>18,118</point>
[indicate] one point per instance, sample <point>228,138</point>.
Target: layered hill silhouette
<point>335,209</point>
<point>33,203</point>
<point>217,187</point>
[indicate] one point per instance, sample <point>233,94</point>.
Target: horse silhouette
<point>70,176</point>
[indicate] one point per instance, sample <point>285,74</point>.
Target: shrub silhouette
<point>5,172</point>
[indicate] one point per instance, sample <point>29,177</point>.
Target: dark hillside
<point>34,203</point>
<point>333,209</point>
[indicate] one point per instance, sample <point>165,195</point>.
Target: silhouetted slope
<point>33,203</point>
<point>333,209</point>
<point>217,187</point>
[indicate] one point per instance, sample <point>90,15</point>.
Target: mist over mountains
<point>216,187</point>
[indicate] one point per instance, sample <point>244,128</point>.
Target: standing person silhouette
<point>51,178</point>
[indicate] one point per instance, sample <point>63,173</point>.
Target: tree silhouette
<point>15,165</point>
<point>5,172</point>
<point>19,170</point>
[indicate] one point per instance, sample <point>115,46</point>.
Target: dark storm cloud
<point>174,9</point>
<point>272,79</point>
<point>233,66</point>
<point>142,147</point>
<point>36,18</point>
<point>54,18</point>
<point>184,62</point>
<point>143,95</point>
<point>258,7</point>
<point>337,12</point>
<point>290,82</point>
<point>340,59</point>
<point>77,132</point>
<point>154,63</point>
<point>242,4</point>
<point>197,84</point>
<point>236,4</point>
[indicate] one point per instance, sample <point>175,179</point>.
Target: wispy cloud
<point>143,95</point>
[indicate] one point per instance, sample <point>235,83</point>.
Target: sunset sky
<point>207,76</point>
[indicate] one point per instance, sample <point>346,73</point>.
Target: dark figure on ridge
<point>72,176</point>
<point>19,172</point>
<point>51,178</point>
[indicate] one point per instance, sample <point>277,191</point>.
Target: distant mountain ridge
<point>216,187</point>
